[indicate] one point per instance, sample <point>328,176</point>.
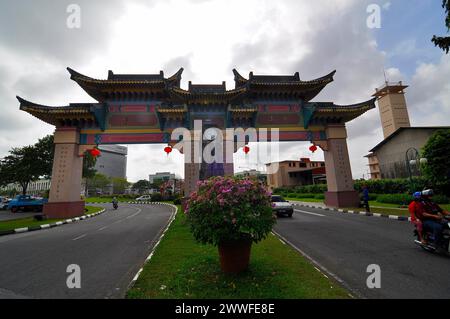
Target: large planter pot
<point>235,256</point>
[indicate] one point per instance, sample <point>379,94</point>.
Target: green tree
<point>99,181</point>
<point>45,150</point>
<point>157,183</point>
<point>141,186</point>
<point>89,162</point>
<point>22,166</point>
<point>437,170</point>
<point>444,42</point>
<point>119,185</point>
<point>89,170</point>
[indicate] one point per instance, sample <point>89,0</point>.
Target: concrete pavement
<point>109,249</point>
<point>346,244</point>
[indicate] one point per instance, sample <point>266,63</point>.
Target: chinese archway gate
<point>145,109</point>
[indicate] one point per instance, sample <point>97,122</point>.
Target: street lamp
<point>413,159</point>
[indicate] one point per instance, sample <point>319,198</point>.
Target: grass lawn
<point>31,222</point>
<point>183,269</point>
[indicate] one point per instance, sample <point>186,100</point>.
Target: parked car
<point>145,198</point>
<point>26,203</point>
<point>282,207</point>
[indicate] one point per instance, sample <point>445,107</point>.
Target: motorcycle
<point>429,238</point>
<point>115,205</point>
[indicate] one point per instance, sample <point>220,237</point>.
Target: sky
<point>208,38</point>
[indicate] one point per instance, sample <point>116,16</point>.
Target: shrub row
<point>384,186</point>
<point>394,186</point>
<point>405,199</point>
<point>310,189</point>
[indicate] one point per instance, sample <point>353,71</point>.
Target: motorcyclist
<point>432,216</point>
<point>115,202</point>
<point>416,209</point>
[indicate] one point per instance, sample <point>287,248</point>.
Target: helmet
<point>427,192</point>
<point>417,195</point>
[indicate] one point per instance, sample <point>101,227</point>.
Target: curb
<point>163,233</point>
<point>47,226</point>
<point>391,217</point>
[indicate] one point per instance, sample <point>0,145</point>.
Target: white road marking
<point>138,212</point>
<point>309,213</point>
<point>121,220</point>
<point>79,237</point>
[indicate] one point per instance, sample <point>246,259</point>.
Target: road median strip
<point>48,226</point>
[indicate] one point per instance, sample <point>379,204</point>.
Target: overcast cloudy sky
<point>211,37</point>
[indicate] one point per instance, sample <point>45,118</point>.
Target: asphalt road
<point>346,245</point>
<point>109,249</point>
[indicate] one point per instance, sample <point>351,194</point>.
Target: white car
<point>145,198</point>
<point>281,206</point>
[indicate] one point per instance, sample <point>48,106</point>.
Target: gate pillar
<point>341,192</point>
<point>65,200</point>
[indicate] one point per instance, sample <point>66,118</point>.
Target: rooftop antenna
<point>385,77</point>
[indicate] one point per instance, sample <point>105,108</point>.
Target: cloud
<point>429,94</point>
<point>40,27</point>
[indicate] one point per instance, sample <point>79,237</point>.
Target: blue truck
<point>26,203</point>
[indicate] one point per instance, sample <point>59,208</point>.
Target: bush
<point>441,199</point>
<point>230,209</point>
<point>177,201</point>
<point>393,186</point>
<point>157,197</point>
<point>304,196</point>
<point>312,189</point>
<point>319,196</point>
<point>397,199</point>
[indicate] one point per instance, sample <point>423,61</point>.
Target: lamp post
<point>412,158</point>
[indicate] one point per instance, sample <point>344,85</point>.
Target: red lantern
<point>313,148</point>
<point>95,152</point>
<point>246,150</point>
<point>168,150</point>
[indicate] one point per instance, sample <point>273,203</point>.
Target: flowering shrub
<point>229,209</point>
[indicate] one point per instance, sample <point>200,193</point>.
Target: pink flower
<point>226,191</point>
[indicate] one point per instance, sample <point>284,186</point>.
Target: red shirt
<point>416,209</point>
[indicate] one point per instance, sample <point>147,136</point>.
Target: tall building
<point>164,176</point>
<point>392,107</point>
<point>113,161</point>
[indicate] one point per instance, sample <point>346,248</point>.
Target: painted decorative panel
<point>132,120</point>
<point>281,119</point>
